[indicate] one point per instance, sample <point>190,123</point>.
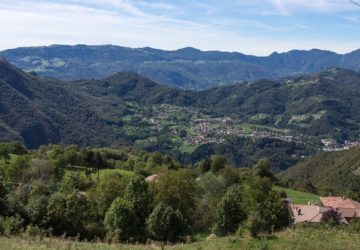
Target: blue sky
<point>256,27</point>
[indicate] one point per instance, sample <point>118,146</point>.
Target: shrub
<point>165,224</point>
<point>255,224</point>
<point>12,225</point>
<point>33,231</point>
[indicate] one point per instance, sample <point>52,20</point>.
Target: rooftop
<point>339,202</point>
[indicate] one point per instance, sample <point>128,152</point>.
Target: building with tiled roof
<point>310,213</point>
<point>348,207</point>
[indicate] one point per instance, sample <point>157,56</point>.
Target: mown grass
<point>298,197</point>
<point>292,239</point>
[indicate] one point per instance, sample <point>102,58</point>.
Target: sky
<point>257,27</point>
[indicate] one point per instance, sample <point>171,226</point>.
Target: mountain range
<point>186,68</point>
<point>282,119</point>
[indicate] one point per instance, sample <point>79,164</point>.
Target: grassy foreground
<point>300,239</point>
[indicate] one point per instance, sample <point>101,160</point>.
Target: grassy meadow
<point>292,239</point>
<point>298,197</point>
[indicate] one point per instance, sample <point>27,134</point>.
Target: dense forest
<point>336,173</point>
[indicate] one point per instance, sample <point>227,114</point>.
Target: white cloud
<point>123,22</point>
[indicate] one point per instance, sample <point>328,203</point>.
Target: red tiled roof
<point>339,202</point>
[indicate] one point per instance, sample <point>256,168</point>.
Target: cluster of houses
<point>330,145</point>
<point>345,208</point>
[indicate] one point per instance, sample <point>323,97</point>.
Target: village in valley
<point>189,127</point>
<point>193,128</point>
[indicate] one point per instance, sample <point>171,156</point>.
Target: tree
<point>70,214</point>
<point>218,162</point>
<point>213,188</point>
<point>267,204</point>
<point>74,181</point>
<point>56,213</point>
<point>138,194</point>
<point>3,193</point>
<point>120,220</point>
<point>230,212</point>
<point>107,190</point>
<point>255,223</point>
<point>78,214</point>
<point>165,224</point>
<point>262,169</point>
<point>179,190</point>
<point>204,166</point>
<point>37,209</point>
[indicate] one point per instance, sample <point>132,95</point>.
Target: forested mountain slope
<point>281,119</point>
<point>337,173</point>
<point>43,110</point>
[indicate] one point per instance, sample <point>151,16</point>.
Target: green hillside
<point>298,197</point>
<point>244,122</point>
<point>335,173</point>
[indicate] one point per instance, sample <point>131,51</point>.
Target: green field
<point>291,239</point>
<point>298,197</point>
<point>102,173</point>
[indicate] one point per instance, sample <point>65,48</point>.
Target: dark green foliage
<point>178,190</point>
<point>3,193</point>
<point>255,223</point>
<point>165,223</point>
<point>230,212</point>
<point>11,225</point>
<point>262,169</point>
<point>204,165</point>
<point>106,191</point>
<point>218,162</point>
<point>74,181</point>
<point>336,173</point>
<point>120,220</point>
<point>213,188</point>
<point>266,203</point>
<point>138,194</point>
<point>57,196</point>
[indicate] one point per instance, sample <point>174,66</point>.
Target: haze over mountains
<point>186,68</point>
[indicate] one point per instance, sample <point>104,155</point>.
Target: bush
<point>255,224</point>
<point>11,225</point>
<point>33,231</point>
<point>165,224</point>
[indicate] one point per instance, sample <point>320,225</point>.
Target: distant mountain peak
<point>186,68</point>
